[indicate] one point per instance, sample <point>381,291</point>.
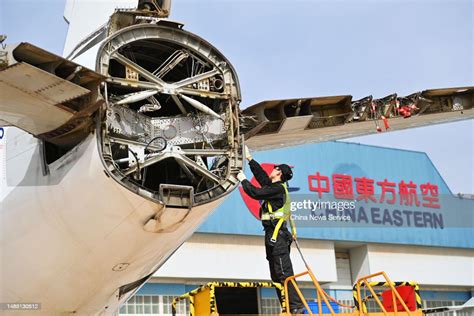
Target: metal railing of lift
<point>321,294</point>
<point>361,302</point>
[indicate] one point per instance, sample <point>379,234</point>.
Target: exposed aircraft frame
<point>150,143</point>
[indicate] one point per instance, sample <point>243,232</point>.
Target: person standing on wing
<point>274,213</point>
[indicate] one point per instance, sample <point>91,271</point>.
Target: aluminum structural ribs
<point>171,129</point>
<point>293,115</point>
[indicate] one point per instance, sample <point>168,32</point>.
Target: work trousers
<point>278,256</point>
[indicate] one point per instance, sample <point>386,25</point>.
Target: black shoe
<point>297,310</point>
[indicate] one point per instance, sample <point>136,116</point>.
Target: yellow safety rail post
<point>360,302</point>
<point>295,285</point>
<point>319,291</point>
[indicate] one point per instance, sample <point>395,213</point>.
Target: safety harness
<point>282,214</point>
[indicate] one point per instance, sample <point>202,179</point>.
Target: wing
<point>279,123</point>
<point>46,95</point>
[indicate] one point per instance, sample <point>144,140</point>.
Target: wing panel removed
<point>30,112</point>
<point>39,83</point>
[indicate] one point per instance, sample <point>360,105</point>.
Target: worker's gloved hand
<point>247,154</point>
<point>294,236</point>
<point>241,176</point>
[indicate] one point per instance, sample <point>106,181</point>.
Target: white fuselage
<point>70,235</point>
<point>71,238</point>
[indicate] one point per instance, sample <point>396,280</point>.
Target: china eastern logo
<point>254,205</point>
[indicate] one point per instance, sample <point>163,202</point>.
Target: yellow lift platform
<point>242,298</point>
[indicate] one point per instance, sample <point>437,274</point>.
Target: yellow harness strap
<point>285,213</point>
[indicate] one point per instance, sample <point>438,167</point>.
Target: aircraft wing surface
<point>42,92</point>
<point>280,123</point>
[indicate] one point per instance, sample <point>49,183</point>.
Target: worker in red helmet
<point>274,213</point>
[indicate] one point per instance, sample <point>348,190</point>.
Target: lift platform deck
<point>241,298</point>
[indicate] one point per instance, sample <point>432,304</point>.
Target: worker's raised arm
<point>257,170</point>
<point>259,173</point>
<point>265,193</point>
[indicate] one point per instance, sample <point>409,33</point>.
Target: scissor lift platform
<point>242,298</point>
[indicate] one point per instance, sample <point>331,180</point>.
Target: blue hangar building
<point>358,209</point>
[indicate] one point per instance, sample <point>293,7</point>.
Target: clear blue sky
<point>285,49</point>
